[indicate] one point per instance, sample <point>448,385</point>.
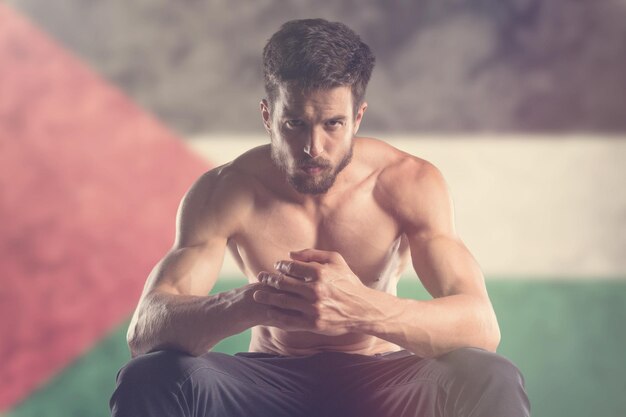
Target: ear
<point>265,114</point>
<point>359,117</point>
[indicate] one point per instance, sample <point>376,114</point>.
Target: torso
<point>352,222</point>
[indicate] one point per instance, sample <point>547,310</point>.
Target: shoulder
<point>396,170</point>
<point>410,188</point>
<point>235,181</point>
<point>220,199</point>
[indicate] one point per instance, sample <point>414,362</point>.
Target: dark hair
<point>316,53</point>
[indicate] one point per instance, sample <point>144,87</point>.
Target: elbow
<point>139,346</point>
<point>134,349</point>
<point>486,331</point>
<point>137,340</point>
<point>133,342</point>
<point>492,340</point>
<point>138,336</point>
<point>491,333</point>
<point>488,340</point>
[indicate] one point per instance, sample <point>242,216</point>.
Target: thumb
<point>314,255</point>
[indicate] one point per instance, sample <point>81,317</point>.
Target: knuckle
<point>277,281</point>
<point>323,273</point>
<point>318,272</point>
<point>322,292</point>
<point>316,311</point>
<point>316,289</point>
<point>271,280</point>
<point>263,277</point>
<point>282,266</point>
<point>318,324</point>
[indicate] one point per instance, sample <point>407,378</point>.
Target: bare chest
<point>368,238</point>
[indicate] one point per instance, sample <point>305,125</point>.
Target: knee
<point>156,368</point>
<point>151,385</point>
<point>483,383</point>
<point>481,367</point>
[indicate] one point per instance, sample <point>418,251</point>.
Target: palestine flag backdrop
<point>109,110</point>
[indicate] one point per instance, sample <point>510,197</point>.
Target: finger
<point>284,301</point>
<point>286,283</point>
<point>298,269</point>
<point>315,255</point>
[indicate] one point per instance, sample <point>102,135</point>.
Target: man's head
<point>317,54</point>
<point>316,73</point>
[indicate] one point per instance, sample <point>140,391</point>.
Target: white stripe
<point>536,206</point>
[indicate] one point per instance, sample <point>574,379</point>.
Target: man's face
<point>311,134</point>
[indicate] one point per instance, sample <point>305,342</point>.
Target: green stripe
<point>567,337</point>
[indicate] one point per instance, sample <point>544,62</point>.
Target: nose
<point>315,143</point>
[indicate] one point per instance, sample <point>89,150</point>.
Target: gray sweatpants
<point>463,383</point>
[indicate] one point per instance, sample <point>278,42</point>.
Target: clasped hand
<point>314,291</point>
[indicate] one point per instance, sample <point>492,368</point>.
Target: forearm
<point>431,328</point>
<point>189,323</point>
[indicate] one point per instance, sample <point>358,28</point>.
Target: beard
<point>311,184</point>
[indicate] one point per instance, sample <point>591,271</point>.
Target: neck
<point>344,180</point>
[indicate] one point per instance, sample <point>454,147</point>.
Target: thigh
<point>214,384</point>
<point>463,382</point>
<point>398,385</point>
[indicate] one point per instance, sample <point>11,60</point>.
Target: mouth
<point>313,169</point>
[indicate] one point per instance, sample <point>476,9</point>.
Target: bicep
<point>191,270</point>
<point>203,227</point>
<point>440,258</point>
<point>445,266</point>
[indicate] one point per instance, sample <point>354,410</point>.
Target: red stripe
<point>88,194</point>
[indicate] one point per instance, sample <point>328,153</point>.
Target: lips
<point>313,170</point>
<point>314,167</point>
<point>309,167</point>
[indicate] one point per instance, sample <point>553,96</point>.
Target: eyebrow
<point>289,115</point>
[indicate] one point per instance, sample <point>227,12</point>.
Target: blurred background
<point>110,110</point>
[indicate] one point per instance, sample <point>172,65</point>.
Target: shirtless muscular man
<point>322,224</point>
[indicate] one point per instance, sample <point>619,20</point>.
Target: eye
<point>335,124</point>
<point>295,123</point>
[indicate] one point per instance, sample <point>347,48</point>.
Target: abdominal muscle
<point>290,343</point>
